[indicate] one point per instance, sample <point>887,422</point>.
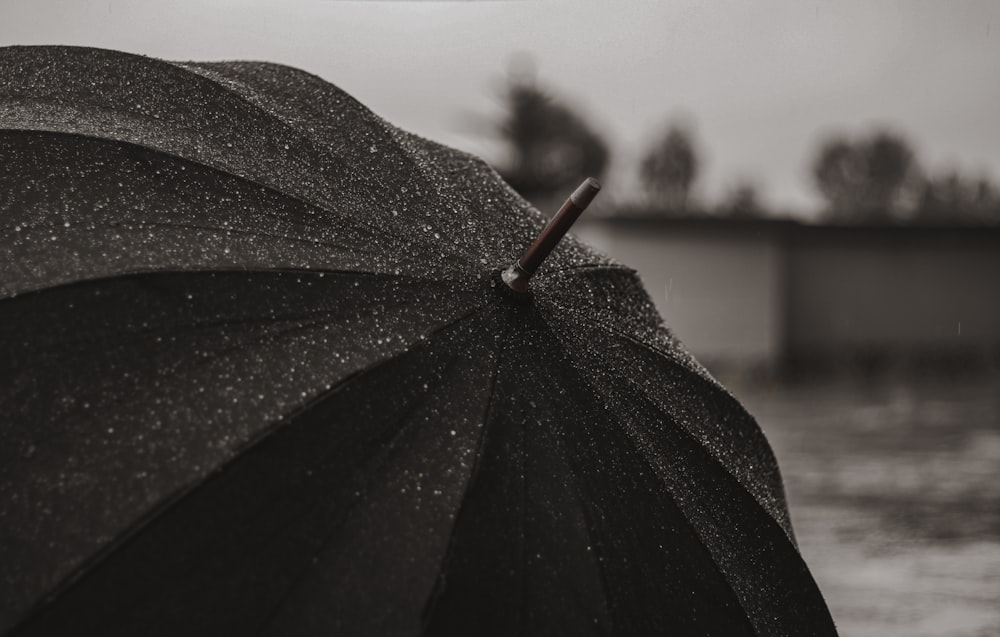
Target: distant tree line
<point>552,148</point>
<point>878,179</point>
<point>869,179</point>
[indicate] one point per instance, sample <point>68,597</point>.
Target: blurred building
<point>763,294</point>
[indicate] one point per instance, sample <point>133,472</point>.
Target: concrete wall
<point>760,292</point>
<point>718,288</point>
<point>893,291</point>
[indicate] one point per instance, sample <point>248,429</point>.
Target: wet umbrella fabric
<point>258,379</point>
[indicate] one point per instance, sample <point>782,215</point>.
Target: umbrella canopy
<point>259,377</point>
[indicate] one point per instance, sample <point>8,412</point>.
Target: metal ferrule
<point>516,278</point>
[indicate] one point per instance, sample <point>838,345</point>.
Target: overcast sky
<point>761,82</point>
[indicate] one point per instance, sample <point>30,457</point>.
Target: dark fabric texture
<point>258,377</point>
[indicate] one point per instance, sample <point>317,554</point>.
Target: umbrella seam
<point>610,266</point>
<point>578,492</point>
<point>221,230</point>
<point>638,449</point>
<point>715,386</point>
<point>439,588</point>
<point>638,446</point>
<point>200,270</point>
<point>133,530</point>
<point>522,536</point>
<point>405,239</point>
<point>177,68</point>
<point>132,115</point>
<point>694,366</point>
<point>236,231</point>
<point>200,363</point>
<point>383,457</point>
<point>395,134</point>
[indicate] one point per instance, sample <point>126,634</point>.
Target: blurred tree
<point>952,198</point>
<point>742,202</point>
<point>670,168</point>
<point>872,179</point>
<point>552,149</point>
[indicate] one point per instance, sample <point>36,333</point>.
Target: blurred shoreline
<point>892,483</point>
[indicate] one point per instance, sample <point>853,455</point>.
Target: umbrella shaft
<point>518,274</point>
<point>549,237</point>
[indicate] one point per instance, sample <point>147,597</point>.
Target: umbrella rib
<point>643,443</point>
<point>337,386</point>
<point>383,458</point>
<point>139,273</point>
<point>201,363</point>
<point>522,536</point>
<point>610,329</point>
<point>228,231</point>
<point>438,589</point>
<point>257,102</point>
<point>578,493</point>
<point>211,71</point>
<point>639,446</point>
<point>208,325</point>
<point>378,230</point>
<point>91,563</point>
<point>218,75</point>
<point>710,384</point>
<point>397,136</point>
<point>54,104</point>
<point>592,266</point>
<point>60,106</point>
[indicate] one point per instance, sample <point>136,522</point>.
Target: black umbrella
<point>260,376</point>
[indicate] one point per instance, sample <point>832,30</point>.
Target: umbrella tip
<point>586,192</point>
<point>520,272</point>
